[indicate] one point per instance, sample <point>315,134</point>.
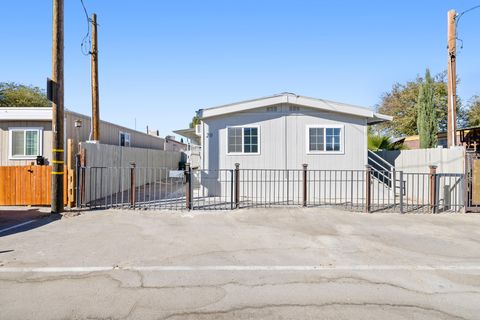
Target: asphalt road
<point>20,217</point>
<point>267,264</point>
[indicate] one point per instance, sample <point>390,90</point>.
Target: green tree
<point>195,120</point>
<point>426,116</point>
<point>19,95</point>
<point>377,142</point>
<point>473,116</point>
<point>400,102</point>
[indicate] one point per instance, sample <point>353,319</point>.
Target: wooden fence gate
<point>27,185</point>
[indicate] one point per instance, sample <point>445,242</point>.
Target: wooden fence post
<point>237,185</point>
<point>433,188</point>
<point>132,184</point>
<point>83,164</point>
<point>368,188</point>
<point>70,172</point>
<point>305,166</point>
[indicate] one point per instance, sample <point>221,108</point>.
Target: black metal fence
<point>366,190</point>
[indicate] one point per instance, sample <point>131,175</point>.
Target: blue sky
<point>162,60</point>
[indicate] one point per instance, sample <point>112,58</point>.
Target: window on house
<point>325,139</point>
<point>124,139</point>
<point>294,108</point>
<point>242,140</point>
<point>272,109</point>
<point>25,142</point>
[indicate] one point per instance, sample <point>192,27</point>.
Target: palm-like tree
<point>377,142</point>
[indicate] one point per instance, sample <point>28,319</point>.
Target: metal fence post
<point>237,185</point>
<point>401,192</point>
<point>188,184</point>
<point>368,186</point>
<point>132,184</point>
<point>232,182</point>
<point>77,180</point>
<point>433,188</point>
<point>305,166</point>
<point>393,182</point>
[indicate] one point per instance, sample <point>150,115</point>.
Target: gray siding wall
<point>283,139</point>
<point>102,155</point>
<point>4,141</point>
<point>109,134</point>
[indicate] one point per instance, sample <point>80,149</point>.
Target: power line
<point>86,41</point>
<point>457,20</point>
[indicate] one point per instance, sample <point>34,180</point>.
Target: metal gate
<point>154,188</point>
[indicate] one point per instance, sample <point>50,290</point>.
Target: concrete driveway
<point>267,264</point>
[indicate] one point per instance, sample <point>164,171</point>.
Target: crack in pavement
<point>321,305</point>
<point>318,280</point>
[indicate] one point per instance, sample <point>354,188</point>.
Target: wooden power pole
<point>94,71</point>
<point>452,81</point>
<point>57,109</point>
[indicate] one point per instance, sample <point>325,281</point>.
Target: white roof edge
<point>379,118</point>
<point>43,114</point>
<point>21,113</point>
<point>315,103</point>
<point>383,116</point>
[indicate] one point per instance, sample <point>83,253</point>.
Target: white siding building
<point>26,133</point>
<point>285,131</point>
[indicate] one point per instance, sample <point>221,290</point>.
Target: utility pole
<point>57,109</point>
<point>452,81</point>
<point>94,71</point>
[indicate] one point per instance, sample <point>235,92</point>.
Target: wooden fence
<point>27,185</point>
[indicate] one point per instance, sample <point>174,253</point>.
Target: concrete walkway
<point>268,264</point>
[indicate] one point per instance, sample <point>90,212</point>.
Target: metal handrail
<point>382,167</point>
<point>390,166</point>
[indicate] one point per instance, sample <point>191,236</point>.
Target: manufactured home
<point>26,133</point>
<point>285,131</point>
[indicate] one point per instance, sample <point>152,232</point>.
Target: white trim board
<point>290,98</point>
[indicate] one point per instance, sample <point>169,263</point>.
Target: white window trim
<point>243,153</point>
<point>325,126</point>
<point>120,139</point>
<point>10,142</point>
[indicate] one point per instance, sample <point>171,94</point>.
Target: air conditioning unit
<point>198,129</point>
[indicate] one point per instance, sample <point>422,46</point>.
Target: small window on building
<point>124,139</point>
<point>294,108</point>
<point>272,109</point>
<point>25,143</point>
<point>325,139</point>
<point>242,140</point>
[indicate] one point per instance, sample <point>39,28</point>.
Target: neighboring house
<point>285,131</point>
<point>194,150</point>
<point>192,134</point>
<point>26,133</point>
<point>173,145</point>
<point>469,137</point>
